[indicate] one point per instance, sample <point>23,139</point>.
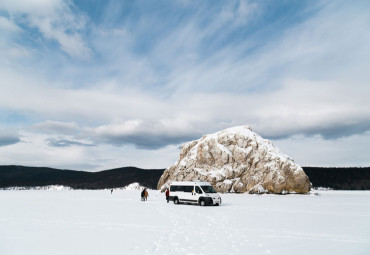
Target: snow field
<point>96,222</point>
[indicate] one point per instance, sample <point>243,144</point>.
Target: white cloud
<point>314,151</point>
<point>35,152</point>
<point>32,6</point>
<point>55,20</point>
<point>239,12</point>
<point>56,127</point>
<point>299,107</point>
<point>19,52</point>
<point>8,25</point>
<point>144,134</point>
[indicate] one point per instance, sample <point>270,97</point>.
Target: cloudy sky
<point>94,85</point>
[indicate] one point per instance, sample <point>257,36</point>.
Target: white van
<point>195,192</point>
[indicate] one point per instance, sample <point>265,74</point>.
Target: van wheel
<point>202,203</point>
<point>176,201</point>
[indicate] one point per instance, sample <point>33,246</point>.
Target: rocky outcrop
<point>237,160</point>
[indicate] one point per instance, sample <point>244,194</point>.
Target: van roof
<point>203,183</point>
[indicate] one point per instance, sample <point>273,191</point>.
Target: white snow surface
<point>98,222</point>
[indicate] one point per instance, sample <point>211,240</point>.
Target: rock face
<point>237,160</point>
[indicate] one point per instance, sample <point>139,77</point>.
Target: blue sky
<point>99,84</point>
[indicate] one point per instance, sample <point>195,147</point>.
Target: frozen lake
<point>96,222</point>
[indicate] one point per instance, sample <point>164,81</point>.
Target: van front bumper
<point>216,200</point>
<point>212,200</point>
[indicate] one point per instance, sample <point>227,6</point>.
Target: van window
<point>188,188</point>
<point>198,190</point>
<point>208,189</point>
<point>181,188</point>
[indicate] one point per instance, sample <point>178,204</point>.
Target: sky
<point>94,85</point>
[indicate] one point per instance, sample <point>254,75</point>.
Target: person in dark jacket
<point>167,195</point>
<point>143,195</point>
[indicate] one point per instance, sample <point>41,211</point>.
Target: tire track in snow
<point>202,230</point>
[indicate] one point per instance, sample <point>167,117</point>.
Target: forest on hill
<point>350,178</point>
<point>339,178</point>
<point>21,176</point>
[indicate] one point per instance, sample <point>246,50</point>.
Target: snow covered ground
<point>96,222</point>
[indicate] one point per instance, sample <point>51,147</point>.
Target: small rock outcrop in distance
<point>133,186</point>
<point>237,160</point>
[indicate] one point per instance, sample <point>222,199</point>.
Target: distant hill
<point>350,178</point>
<point>11,176</point>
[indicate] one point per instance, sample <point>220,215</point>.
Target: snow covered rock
<point>134,186</point>
<point>237,160</point>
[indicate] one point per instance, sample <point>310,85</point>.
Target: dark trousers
<point>168,199</point>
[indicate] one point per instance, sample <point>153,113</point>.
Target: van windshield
<point>208,189</point>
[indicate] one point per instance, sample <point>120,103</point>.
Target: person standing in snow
<point>146,194</point>
<point>143,195</point>
<point>167,195</point>
<point>111,191</point>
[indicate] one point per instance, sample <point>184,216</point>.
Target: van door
<point>197,193</point>
<point>188,194</point>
